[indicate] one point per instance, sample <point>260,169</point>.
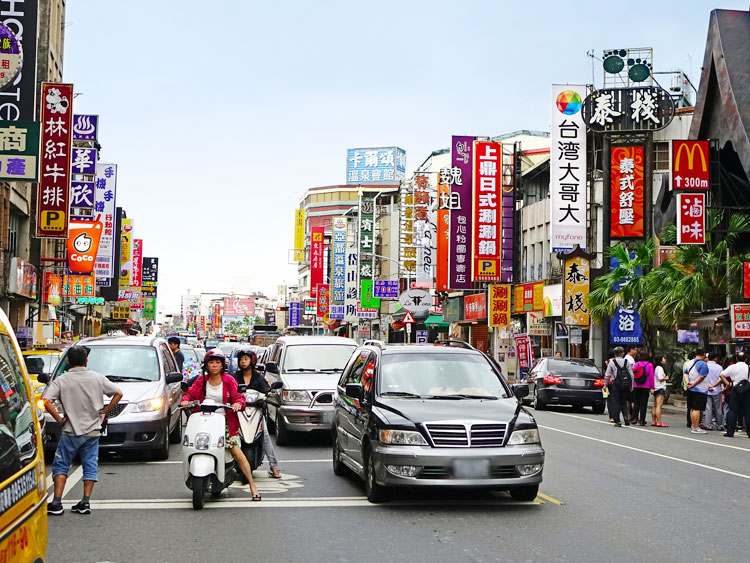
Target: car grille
<point>438,472</point>
<point>504,471</point>
<point>323,399</point>
<point>117,409</point>
<point>432,472</point>
<point>480,435</point>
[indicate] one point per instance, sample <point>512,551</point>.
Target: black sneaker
<point>81,508</point>
<point>618,425</point>
<point>55,508</point>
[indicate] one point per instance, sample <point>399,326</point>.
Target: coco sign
<point>83,244</point>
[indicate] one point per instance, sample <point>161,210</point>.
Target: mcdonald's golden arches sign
<point>690,165</point>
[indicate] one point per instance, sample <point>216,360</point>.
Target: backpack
<point>639,374</point>
<point>623,379</point>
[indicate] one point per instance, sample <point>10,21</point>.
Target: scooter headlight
<point>202,441</point>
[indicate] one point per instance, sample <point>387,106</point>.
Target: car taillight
<point>552,380</point>
<point>598,383</point>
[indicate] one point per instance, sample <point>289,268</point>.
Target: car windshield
<point>431,374</point>
<point>122,362</point>
<point>188,352</point>
<point>40,363</point>
<point>227,348</point>
<point>571,366</point>
<point>317,357</point>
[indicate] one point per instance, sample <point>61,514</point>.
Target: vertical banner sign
<point>508,217</point>
<point>126,254</point>
<point>217,316</point>
<point>352,288</point>
<point>137,267</point>
<point>150,271</point>
<point>626,188</point>
<point>424,232</point>
<point>488,197</point>
<point>576,291</point>
<point>567,181</point>
<point>366,239</point>
<point>85,127</point>
<point>338,275</point>
<point>690,165</point>
<point>746,279</point>
<point>443,230</point>
<point>323,303</point>
<point>53,195</point>
<point>367,295</point>
<point>625,326</point>
<point>499,304</point>
<point>407,248</point>
<point>105,199</point>
<point>294,313</point>
<point>691,218</point>
<point>524,351</point>
<point>149,308</point>
<point>18,101</point>
<point>316,259</point>
<point>459,274</point>
<point>299,235</point>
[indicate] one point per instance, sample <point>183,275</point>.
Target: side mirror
<point>355,391</point>
<point>174,377</point>
<point>242,388</point>
<point>260,367</point>
<point>277,385</point>
<point>42,378</point>
<point>271,367</point>
<point>520,390</point>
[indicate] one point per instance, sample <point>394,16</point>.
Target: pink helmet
<point>215,354</point>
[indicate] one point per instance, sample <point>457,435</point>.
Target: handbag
<point>742,387</point>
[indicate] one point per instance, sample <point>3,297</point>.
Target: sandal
<point>654,424</point>
<point>662,425</point>
<point>273,475</point>
<point>256,497</point>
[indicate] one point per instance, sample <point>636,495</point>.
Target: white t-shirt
<point>658,376</point>
<point>215,393</point>
<point>630,359</point>
<point>736,372</point>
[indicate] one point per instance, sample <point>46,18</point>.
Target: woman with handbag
<point>738,375</point>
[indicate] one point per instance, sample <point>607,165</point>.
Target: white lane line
<point>174,462</point>
<point>639,429</point>
<point>664,456</point>
<point>326,460</point>
<point>72,480</point>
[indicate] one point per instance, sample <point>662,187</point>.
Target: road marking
<point>686,461</point>
<point>656,432</point>
<point>72,480</point>
<point>549,499</point>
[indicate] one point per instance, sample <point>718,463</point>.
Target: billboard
<point>626,190</point>
<point>299,235</point>
<point>487,212</point>
<point>316,258</point>
<point>690,165</point>
<point>460,203</point>
<point>381,165</point>
<point>338,271</point>
<point>528,297</point>
<point>235,306</point>
<point>105,199</point>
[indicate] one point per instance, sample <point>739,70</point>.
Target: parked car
<point>147,417</point>
<point>41,361</point>
<point>443,416</point>
<point>212,343</point>
<point>189,353</point>
<point>308,367</point>
<point>567,381</point>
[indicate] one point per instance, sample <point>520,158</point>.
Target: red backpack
<point>639,374</point>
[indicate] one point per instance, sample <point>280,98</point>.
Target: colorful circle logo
<point>569,102</point>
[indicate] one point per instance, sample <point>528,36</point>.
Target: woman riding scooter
<point>246,375</point>
<point>217,385</point>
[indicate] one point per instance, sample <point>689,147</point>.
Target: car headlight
<point>202,440</point>
<point>149,405</point>
<point>523,437</point>
<point>300,397</point>
<point>402,438</point>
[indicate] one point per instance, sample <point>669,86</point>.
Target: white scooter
<point>251,430</point>
<point>207,465</point>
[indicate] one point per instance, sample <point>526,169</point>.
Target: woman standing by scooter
<point>246,375</point>
<point>217,385</point>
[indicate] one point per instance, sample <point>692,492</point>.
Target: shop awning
<point>436,320</point>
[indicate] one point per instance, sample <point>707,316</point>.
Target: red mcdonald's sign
<point>690,165</point>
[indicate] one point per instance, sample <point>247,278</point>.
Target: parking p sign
<point>421,337</point>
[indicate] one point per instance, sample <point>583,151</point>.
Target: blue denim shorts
<point>68,446</point>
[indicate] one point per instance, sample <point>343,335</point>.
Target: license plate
<point>471,468</point>
<point>104,432</point>
<point>326,417</point>
<point>577,382</point>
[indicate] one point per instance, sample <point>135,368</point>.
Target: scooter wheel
<point>199,492</point>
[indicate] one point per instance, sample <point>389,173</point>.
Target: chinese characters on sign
<point>137,266</point>
<point>424,232</point>
<point>366,251</point>
<point>443,232</point>
<point>690,165</point>
<point>460,203</point>
<point>338,277</point>
<point>82,199</point>
<point>528,297</point>
<point>19,150</point>
<point>407,247</point>
<point>691,218</point>
<point>11,53</point>
<point>386,289</point>
<point>567,170</point>
<point>294,313</point>
<point>487,220</point>
<point>475,306</point>
<point>576,280</point>
<point>323,303</point>
<point>51,288</point>
<point>626,192</point>
<point>625,326</point>
<point>524,351</point>
<point>385,165</point>
<point>121,311</point>
<point>316,258</point>
<point>78,286</point>
<point>628,109</point>
<point>299,235</point>
<point>352,288</point>
<point>126,252</point>
<point>84,161</point>
<point>746,280</point>
<point>741,321</point>
<point>104,206</point>
<point>508,214</point>
<point>54,163</point>
<point>150,271</point>
<point>85,127</point>
<point>499,302</point>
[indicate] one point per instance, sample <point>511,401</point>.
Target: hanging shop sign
<point>294,313</point>
<point>11,55</point>
<point>82,200</point>
<point>51,289</point>
<point>150,271</point>
<point>568,193</point>
<point>663,253</point>
<point>499,304</point>
<point>366,237</point>
<point>626,173</point>
<point>576,282</point>
<point>323,301</point>
<point>299,235</point>
<point>690,165</point>
<point>83,161</point>
<point>19,150</point>
<point>386,289</point>
<point>461,212</point>
<point>576,335</point>
<point>366,293</point>
<point>19,101</point>
<point>536,325</point>
<point>338,270</point>
<point>132,295</point>
<point>22,278</point>
<point>524,351</point>
<point>83,245</point>
<point>149,309</point>
<point>89,300</point>
<point>487,215</point>
<point>53,200</point>
<point>126,252</point>
<point>407,246</point>
<point>137,268</point>
<point>691,218</point>
<point>352,288</point>
<point>78,286</point>
<point>621,110</point>
<point>121,311</point>
<point>85,127</point>
<point>374,166</point>
<point>453,310</point>
<point>365,313</point>
<point>625,325</point>
<point>746,280</point>
<point>316,258</point>
<point>741,321</point>
<point>553,300</point>
<point>106,266</point>
<point>528,297</point>
<point>424,232</point>
<point>475,306</point>
<point>416,301</point>
<point>443,231</point>
<point>507,222</point>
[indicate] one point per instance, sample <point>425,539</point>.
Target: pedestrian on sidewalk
<point>643,383</point>
<point>80,392</point>
<point>632,352</point>
<point>685,367</point>
<point>697,389</point>
<point>607,391</point>
<point>619,377</point>
<point>714,417</point>
<point>738,375</point>
<point>659,391</point>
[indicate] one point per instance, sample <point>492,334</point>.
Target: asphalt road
<point>609,494</point>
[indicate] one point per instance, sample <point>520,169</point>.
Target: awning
<point>709,320</point>
<point>436,320</point>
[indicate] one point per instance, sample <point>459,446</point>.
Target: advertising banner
<point>82,199</point>
<point>487,214</point>
<point>508,210</point>
<point>217,316</point>
<point>338,271</point>
<point>85,127</point>
<point>149,308</point>
<point>137,267</point>
<point>22,279</point>
<point>461,213</point>
<point>150,271</point>
<point>746,280</point>
<point>528,297</point>
<point>424,232</point>
<point>407,242</point>
<point>132,295</point>
<point>78,286</point>
<point>366,237</point>
<point>294,313</point>
<point>524,351</point>
<point>11,56</point>
<point>105,199</point>
<point>567,184</point>
<point>553,301</point>
<point>576,280</point>
<point>690,165</point>
<point>51,289</point>
<point>323,301</point>
<point>626,188</point>
<point>19,100</point>
<point>299,235</point>
<point>499,303</point>
<point>121,311</point>
<point>317,235</point>
<point>84,161</point>
<point>372,166</point>
<point>386,289</point>
<point>536,325</point>
<point>366,296</point>
<point>475,306</point>
<point>19,150</point>
<point>365,313</point>
<point>691,218</point>
<point>352,287</point>
<point>83,244</point>
<point>126,253</point>
<point>625,326</point>
<point>442,238</point>
<point>235,306</point>
<point>741,321</point>
<point>53,193</point>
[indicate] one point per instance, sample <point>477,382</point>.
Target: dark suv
<point>413,416</point>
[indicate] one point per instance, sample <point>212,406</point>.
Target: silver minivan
<point>147,417</point>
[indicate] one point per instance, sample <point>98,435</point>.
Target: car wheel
<point>598,408</point>
<point>270,424</point>
<point>538,404</point>
<point>283,436</point>
<point>199,492</point>
<point>375,493</point>
<point>527,493</point>
<point>162,452</point>
<point>338,466</point>
<point>175,437</point>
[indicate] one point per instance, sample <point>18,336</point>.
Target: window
<point>167,361</point>
<point>17,425</point>
<point>317,357</point>
<point>355,373</point>
<point>14,227</point>
<point>661,157</point>
<point>126,362</point>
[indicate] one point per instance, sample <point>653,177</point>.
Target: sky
<point>221,114</point>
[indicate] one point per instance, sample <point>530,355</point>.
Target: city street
<point>609,494</point>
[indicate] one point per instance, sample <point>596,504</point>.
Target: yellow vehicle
<point>40,360</point>
<point>23,487</point>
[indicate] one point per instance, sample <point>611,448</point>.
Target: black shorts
<point>660,392</point>
<point>698,400</point>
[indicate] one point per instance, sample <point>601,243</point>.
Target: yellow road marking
<point>549,499</point>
